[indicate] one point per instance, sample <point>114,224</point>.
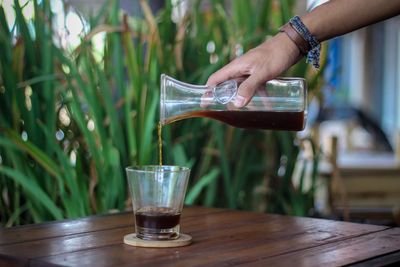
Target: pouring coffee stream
<point>279,105</point>
<point>222,93</point>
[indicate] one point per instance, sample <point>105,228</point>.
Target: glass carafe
<point>279,105</point>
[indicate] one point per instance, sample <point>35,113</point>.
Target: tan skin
<point>277,54</point>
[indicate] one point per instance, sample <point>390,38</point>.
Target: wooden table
<point>221,238</point>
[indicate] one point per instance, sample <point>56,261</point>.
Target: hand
<point>258,65</point>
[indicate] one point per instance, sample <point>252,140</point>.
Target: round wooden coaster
<point>132,240</point>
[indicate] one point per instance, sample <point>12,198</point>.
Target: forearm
<point>277,54</point>
<point>338,17</point>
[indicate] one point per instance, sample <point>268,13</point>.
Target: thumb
<point>247,90</point>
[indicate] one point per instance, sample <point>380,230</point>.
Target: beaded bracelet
<point>314,47</point>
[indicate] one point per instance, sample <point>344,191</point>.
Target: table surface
<point>221,238</point>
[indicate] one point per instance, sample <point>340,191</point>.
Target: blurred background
<point>79,101</point>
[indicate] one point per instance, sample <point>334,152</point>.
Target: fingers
<point>238,69</point>
<point>247,89</point>
<point>229,71</point>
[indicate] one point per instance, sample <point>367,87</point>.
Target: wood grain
<point>220,238</point>
<point>41,231</point>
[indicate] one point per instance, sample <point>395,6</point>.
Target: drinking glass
<point>157,193</point>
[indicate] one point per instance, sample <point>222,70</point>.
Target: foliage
<point>70,122</point>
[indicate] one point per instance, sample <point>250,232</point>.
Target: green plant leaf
<point>34,190</point>
<point>195,191</point>
<point>45,161</point>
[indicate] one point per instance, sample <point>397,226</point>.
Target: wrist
<point>296,38</point>
<point>299,34</point>
<point>290,47</point>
